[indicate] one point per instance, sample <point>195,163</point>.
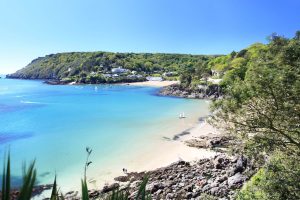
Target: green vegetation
<point>279,179</point>
<point>97,67</point>
<point>229,67</point>
<point>261,108</point>
<point>29,178</point>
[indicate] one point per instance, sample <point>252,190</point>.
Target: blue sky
<point>33,28</point>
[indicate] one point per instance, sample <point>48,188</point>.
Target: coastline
<point>164,153</point>
<point>139,83</point>
<point>168,150</point>
<point>152,83</point>
<point>202,174</point>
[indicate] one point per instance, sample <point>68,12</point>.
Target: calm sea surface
<point>54,124</point>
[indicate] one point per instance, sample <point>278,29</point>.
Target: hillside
<point>106,67</point>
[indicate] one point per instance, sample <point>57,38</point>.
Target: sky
<point>35,28</point>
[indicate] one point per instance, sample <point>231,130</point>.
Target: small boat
<point>181,116</point>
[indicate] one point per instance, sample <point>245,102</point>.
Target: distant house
<point>107,75</point>
<point>135,76</point>
<point>115,75</point>
<point>119,70</point>
<point>151,78</point>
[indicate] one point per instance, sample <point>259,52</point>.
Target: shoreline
<point>152,83</point>
<point>167,149</point>
<point>171,151</point>
<point>139,83</point>
<point>213,173</point>
<point>163,153</point>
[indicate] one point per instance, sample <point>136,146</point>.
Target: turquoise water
<point>53,124</point>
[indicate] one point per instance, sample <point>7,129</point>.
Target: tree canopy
<point>89,66</point>
<point>261,107</point>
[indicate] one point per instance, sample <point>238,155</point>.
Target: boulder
<point>109,188</point>
<point>236,181</point>
<point>122,178</point>
<point>170,196</point>
<point>241,164</point>
<point>154,187</point>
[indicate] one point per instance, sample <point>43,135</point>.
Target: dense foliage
<point>261,107</point>
<point>228,67</point>
<point>91,67</point>
<point>279,179</point>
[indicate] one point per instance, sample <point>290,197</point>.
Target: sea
<point>124,125</point>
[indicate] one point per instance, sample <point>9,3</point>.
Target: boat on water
<point>182,115</point>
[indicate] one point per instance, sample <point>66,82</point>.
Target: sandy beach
<point>163,153</point>
<point>152,83</point>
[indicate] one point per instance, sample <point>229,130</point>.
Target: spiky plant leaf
<point>54,193</point>
<point>118,194</point>
<point>6,180</point>
<point>142,194</point>
<point>28,182</point>
<point>84,190</point>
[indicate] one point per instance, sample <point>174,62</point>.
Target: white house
<point>135,76</point>
<point>151,78</point>
<point>107,75</point>
<point>119,70</point>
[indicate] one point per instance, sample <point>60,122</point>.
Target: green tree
<point>263,111</point>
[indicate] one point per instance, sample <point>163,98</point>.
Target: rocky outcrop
<point>206,92</point>
<point>210,141</point>
<point>218,177</point>
<point>55,82</point>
